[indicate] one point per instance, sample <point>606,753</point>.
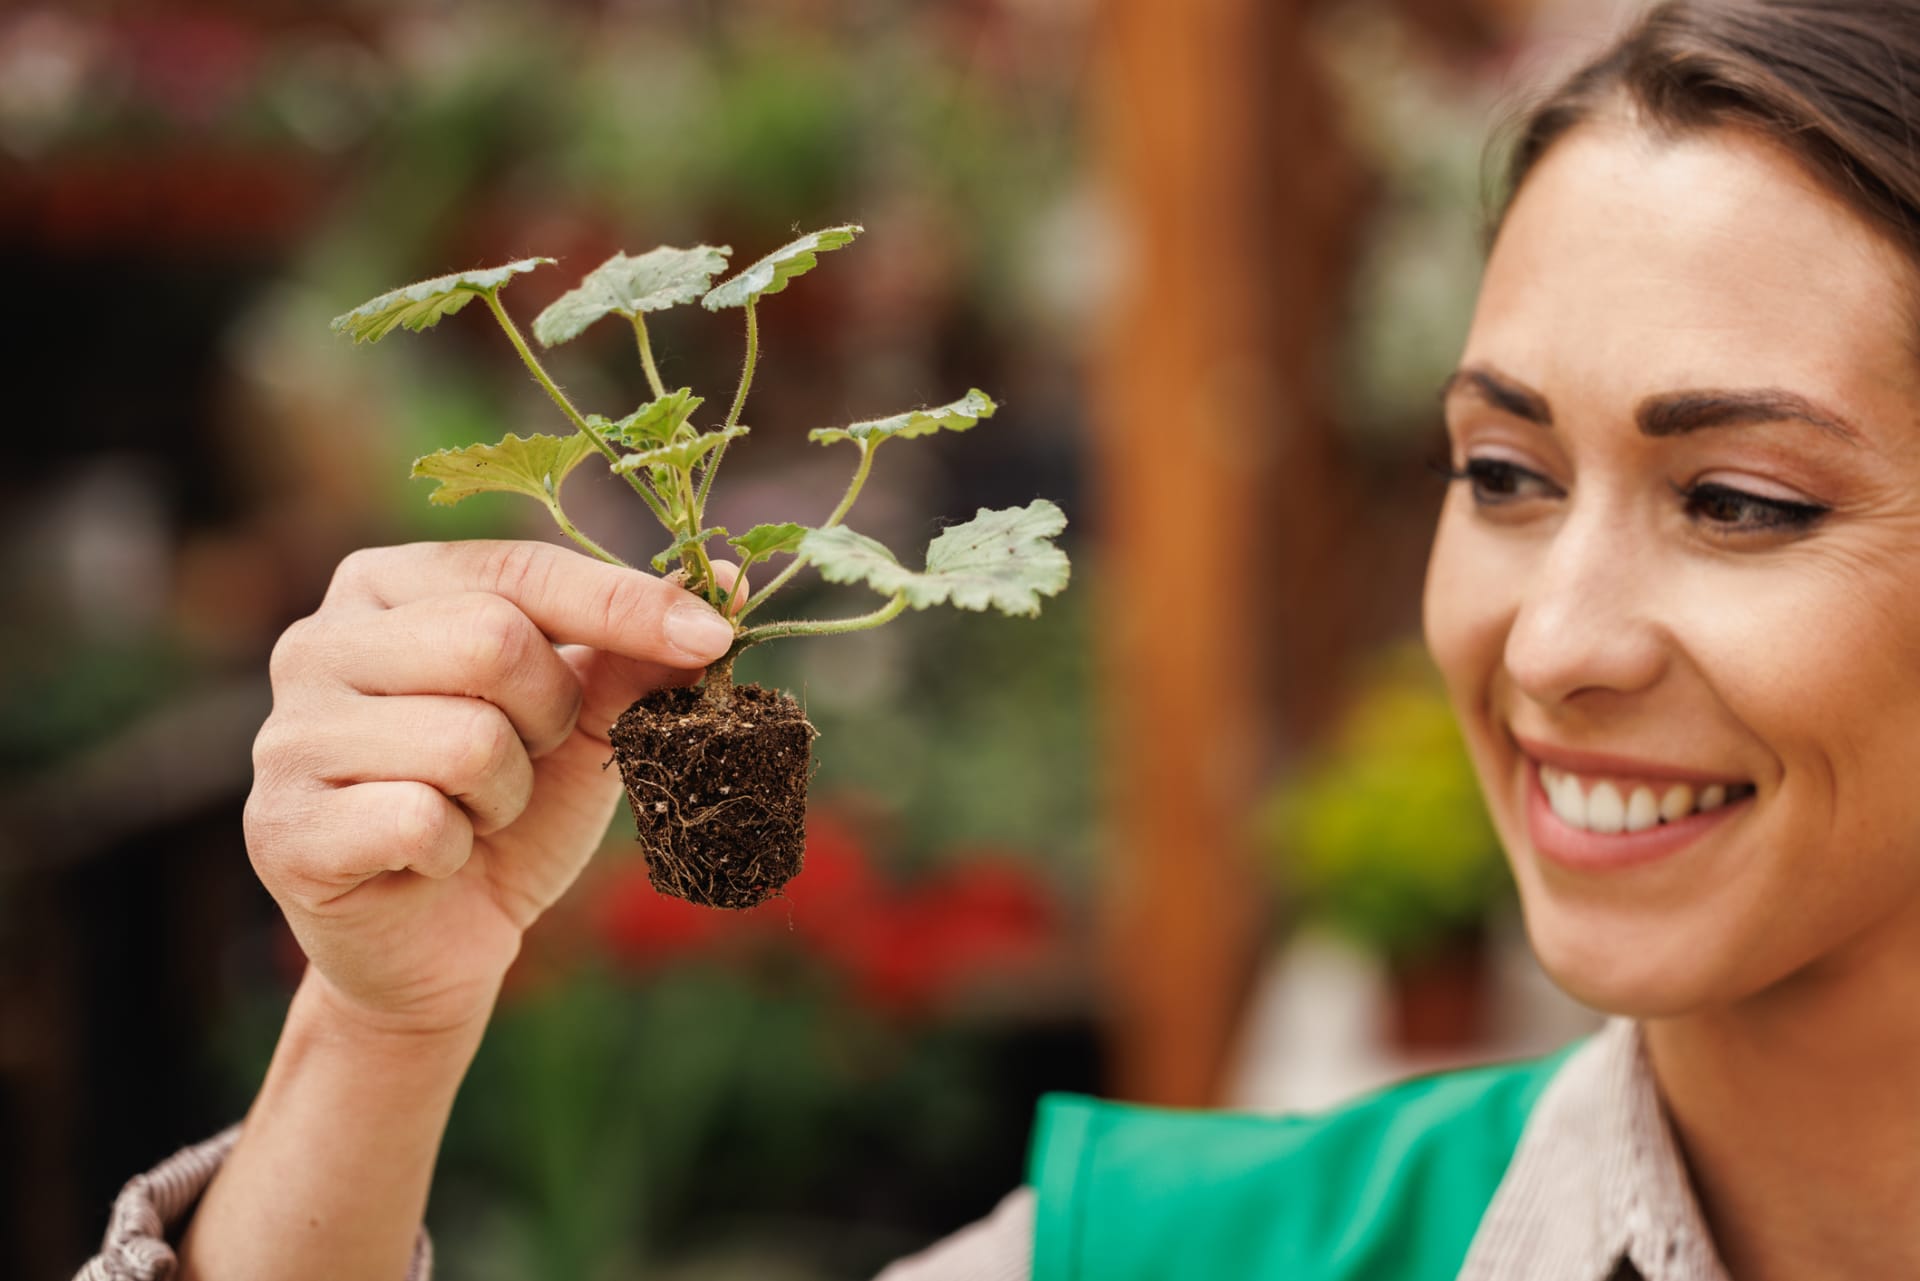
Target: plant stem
<point>733,414</point>
<point>733,593</point>
<point>746,370</point>
<point>539,373</point>
<point>716,691</point>
<point>646,355</point>
<point>830,627</point>
<point>859,481</point>
<point>568,528</point>
<point>854,486</point>
<point>566,406</point>
<point>699,568</point>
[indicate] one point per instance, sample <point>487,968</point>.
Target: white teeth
<point>1606,812</point>
<point>1563,793</point>
<point>1600,807</point>
<point>1642,810</point>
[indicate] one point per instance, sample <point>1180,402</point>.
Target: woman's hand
<point>431,778</point>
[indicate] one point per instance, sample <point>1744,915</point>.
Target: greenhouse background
<point>1201,833</point>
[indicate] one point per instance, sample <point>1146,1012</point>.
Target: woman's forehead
<point>1713,258</point>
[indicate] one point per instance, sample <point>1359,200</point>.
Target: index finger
<point>572,598</point>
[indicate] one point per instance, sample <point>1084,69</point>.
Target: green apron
<point>1390,1188</point>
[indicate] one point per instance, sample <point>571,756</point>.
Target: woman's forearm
<point>330,1176</point>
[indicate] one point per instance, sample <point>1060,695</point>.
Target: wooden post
<point>1216,473</point>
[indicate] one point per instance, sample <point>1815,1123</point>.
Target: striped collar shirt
<point>1598,1190</point>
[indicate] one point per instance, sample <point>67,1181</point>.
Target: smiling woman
<point>1676,597</point>
<point>1675,594</point>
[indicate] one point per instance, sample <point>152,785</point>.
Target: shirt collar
<point>1597,1179</point>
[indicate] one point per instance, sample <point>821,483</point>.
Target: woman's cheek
<point>1466,609</point>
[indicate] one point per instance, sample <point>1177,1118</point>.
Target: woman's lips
<point>1586,851</point>
<point>1609,764</point>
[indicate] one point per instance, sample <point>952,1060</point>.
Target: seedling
<point>717,777</point>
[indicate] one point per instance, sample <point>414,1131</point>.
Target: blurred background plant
<point>1384,839</point>
<point>1026,866</point>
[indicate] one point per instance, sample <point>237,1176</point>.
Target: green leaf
<point>766,540</point>
<point>771,274</point>
<point>534,466</point>
<point>681,453</point>
<point>623,286</point>
<point>958,416</point>
<point>655,422</point>
<point>420,306</point>
<point>999,559</point>
<point>681,544</point>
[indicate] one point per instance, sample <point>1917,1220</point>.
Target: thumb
<point>609,683</point>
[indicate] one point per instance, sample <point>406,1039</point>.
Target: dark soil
<point>719,794</point>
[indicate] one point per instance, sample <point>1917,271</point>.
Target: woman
<point>1675,594</point>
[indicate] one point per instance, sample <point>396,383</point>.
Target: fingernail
<point>694,627</point>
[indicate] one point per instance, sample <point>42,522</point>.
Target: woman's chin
<point>1625,969</point>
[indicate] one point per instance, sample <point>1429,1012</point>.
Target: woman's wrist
<point>324,1011</point>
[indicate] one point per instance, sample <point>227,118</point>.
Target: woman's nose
<point>1586,619</point>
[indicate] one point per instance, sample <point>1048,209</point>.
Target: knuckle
<point>271,747</point>
<point>485,746</point>
<point>629,605</point>
<point>270,831</point>
<point>259,821</point>
<point>518,569</point>
<point>495,638</point>
<point>291,654</point>
<point>283,753</point>
<point>429,831</point>
<point>356,568</point>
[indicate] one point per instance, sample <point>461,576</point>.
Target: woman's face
<point>1685,556</point>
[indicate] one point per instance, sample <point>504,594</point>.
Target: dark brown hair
<point>1835,82</point>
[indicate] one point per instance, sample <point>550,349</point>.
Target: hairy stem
<point>733,414</point>
<point>568,528</point>
<point>739,580</point>
<point>700,578</point>
<point>829,627</point>
<point>716,691</point>
<point>839,514</point>
<point>854,486</point>
<point>746,370</point>
<point>646,354</point>
<point>539,373</point>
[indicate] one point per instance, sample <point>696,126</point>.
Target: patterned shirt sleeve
<point>997,1248</point>
<point>153,1207</point>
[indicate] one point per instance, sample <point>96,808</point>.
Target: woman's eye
<point>1494,481</point>
<point>1737,511</point>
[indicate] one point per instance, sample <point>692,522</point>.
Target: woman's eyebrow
<point>1672,413</point>
<point>1676,413</point>
<point>1500,392</point>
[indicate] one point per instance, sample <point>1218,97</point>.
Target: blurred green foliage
<point>1384,836</point>
<point>610,1129</point>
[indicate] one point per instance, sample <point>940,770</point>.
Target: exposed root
<point>718,794</point>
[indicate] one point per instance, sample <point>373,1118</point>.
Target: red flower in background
<point>904,949</point>
<point>982,919</point>
<point>642,927</point>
